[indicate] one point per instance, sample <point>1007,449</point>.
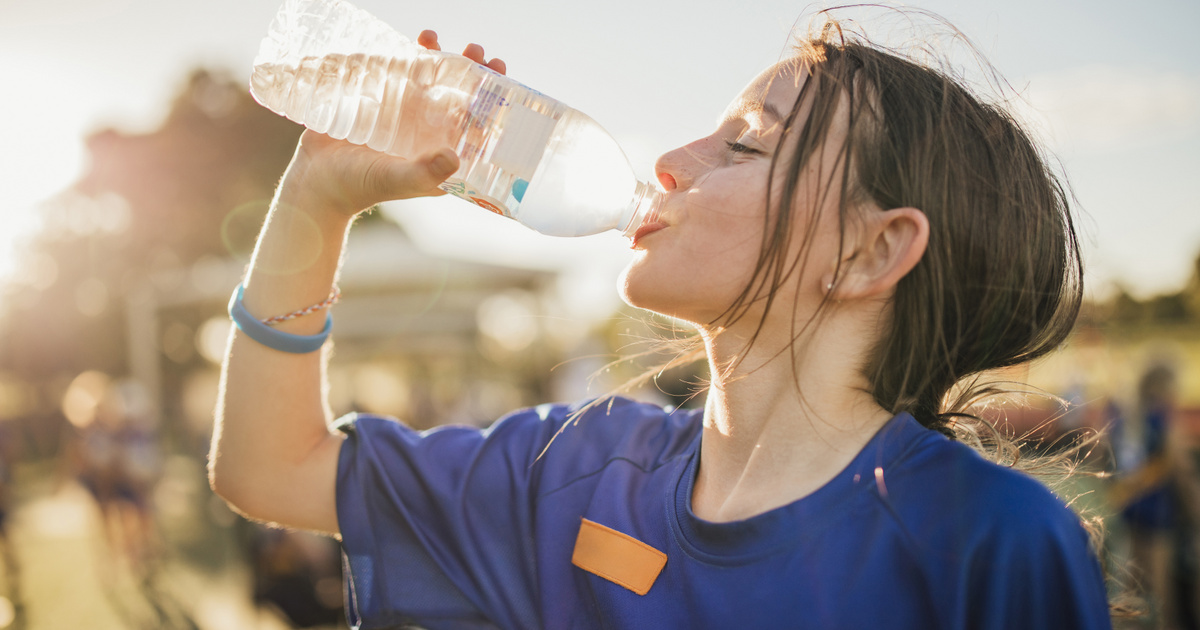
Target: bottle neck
<point>643,208</point>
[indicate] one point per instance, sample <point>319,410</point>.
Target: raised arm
<point>273,455</point>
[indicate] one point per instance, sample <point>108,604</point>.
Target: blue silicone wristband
<point>271,338</point>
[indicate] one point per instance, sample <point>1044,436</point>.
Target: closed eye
<point>738,147</point>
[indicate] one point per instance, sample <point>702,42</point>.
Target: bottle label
<point>523,140</point>
<point>485,108</point>
<point>507,131</point>
<point>519,120</point>
<point>460,189</point>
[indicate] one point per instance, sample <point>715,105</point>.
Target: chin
<point>627,289</point>
<point>636,291</point>
<point>649,284</point>
<point>656,295</point>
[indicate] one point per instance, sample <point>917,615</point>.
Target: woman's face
<point>712,220</point>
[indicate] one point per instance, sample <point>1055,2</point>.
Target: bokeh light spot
<point>239,229</point>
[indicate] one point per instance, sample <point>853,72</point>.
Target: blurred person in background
<point>297,575</point>
<point>1159,501</point>
<point>12,605</point>
<point>115,454</point>
<point>115,457</point>
<point>859,235</point>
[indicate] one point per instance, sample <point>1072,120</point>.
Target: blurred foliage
<point>147,202</point>
<point>1124,312</point>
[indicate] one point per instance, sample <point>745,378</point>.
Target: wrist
<point>295,202</point>
<point>261,330</point>
<point>298,252</point>
<point>303,188</point>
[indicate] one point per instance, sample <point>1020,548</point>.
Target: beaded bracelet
<point>330,301</point>
<point>264,334</point>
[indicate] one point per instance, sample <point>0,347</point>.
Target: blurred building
<point>425,339</point>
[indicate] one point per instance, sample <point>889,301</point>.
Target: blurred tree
<point>147,202</point>
<point>1123,310</point>
<point>1168,309</point>
<point>1191,292</point>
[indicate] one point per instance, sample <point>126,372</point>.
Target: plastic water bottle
<point>338,70</point>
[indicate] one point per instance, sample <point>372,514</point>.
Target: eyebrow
<point>748,107</point>
<point>770,110</point>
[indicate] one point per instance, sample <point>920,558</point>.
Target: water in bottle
<point>340,71</point>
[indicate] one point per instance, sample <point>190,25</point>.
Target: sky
<point>1112,88</point>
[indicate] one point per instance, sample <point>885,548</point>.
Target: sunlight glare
<point>43,155</point>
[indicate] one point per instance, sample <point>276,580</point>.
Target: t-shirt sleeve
<point>438,526</point>
<point>1037,574</point>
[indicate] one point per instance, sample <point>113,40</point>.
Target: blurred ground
<point>70,578</point>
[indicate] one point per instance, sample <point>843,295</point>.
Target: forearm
<point>273,456</point>
<point>271,437</point>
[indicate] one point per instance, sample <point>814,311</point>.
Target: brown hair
<point>1000,283</point>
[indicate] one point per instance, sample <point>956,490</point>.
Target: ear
<point>884,247</point>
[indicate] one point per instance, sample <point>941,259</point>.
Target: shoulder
<point>946,485</point>
<point>589,435</point>
<point>577,436</point>
<point>1013,552</point>
<point>970,518</point>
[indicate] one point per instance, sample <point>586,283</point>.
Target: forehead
<point>774,91</point>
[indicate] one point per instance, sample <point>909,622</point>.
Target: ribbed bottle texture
<point>338,70</point>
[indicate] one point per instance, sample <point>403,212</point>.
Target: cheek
<point>697,268</point>
<point>682,287</point>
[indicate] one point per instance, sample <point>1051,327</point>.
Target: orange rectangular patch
<point>617,557</point>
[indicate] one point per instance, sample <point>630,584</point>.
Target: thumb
<point>405,179</point>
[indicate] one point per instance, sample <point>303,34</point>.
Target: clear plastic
<point>338,70</point>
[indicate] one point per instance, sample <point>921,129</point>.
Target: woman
<point>858,235</point>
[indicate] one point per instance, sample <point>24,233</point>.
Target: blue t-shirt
<point>461,528</point>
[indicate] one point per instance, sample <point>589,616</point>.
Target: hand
<point>474,52</point>
<point>349,178</point>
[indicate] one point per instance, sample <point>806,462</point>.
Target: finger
<point>441,164</point>
<point>498,65</point>
<point>474,52</point>
<point>429,40</point>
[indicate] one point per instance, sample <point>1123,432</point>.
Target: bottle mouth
<point>644,208</point>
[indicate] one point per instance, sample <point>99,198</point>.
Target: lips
<point>648,228</point>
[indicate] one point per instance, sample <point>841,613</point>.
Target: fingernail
<point>442,164</point>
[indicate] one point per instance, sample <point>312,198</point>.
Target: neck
<point>781,419</point>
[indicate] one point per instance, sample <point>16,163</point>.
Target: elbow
<point>273,489</point>
<point>230,473</point>
<point>235,488</point>
<point>232,483</point>
<point>221,480</point>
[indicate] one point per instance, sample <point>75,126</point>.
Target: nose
<point>664,167</point>
<point>666,179</point>
<point>678,168</point>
